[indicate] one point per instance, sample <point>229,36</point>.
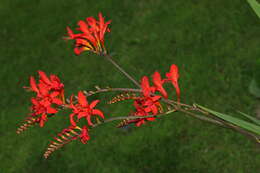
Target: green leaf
<point>254,89</point>
<point>256,6</point>
<point>250,117</point>
<point>240,123</point>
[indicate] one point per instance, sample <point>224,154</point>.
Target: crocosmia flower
<point>91,36</point>
<point>147,104</point>
<point>173,77</point>
<point>84,136</point>
<point>146,88</point>
<point>49,95</point>
<point>158,82</point>
<point>83,109</point>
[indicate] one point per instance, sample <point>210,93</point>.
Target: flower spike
<point>65,137</point>
<point>29,122</point>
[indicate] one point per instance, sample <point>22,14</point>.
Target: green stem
<point>109,58</point>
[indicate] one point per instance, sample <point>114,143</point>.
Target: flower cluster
<point>49,100</point>
<point>148,103</point>
<point>49,94</point>
<point>92,35</point>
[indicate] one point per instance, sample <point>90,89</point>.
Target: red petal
<point>33,85</point>
<point>72,120</point>
<point>57,101</point>
<point>54,94</point>
<point>45,102</point>
<point>82,114</point>
<point>34,102</point>
<point>82,99</point>
<point>173,75</point>
<point>41,123</point>
<point>155,98</point>
<point>101,20</point>
<point>70,33</point>
<point>83,27</point>
<point>89,120</point>
<point>43,89</point>
<point>157,78</point>
<point>102,27</point>
<point>178,92</point>
<point>147,109</point>
<point>43,118</point>
<point>140,122</point>
<point>154,109</point>
<point>158,83</point>
<point>51,110</point>
<point>84,137</point>
<point>98,112</point>
<point>54,78</point>
<point>145,86</point>
<point>78,51</point>
<point>92,23</point>
<point>93,104</point>
<point>44,77</point>
<point>150,119</point>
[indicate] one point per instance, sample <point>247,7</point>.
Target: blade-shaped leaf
<point>240,123</point>
<point>256,6</point>
<point>250,117</point>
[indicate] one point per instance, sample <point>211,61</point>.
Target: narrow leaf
<point>256,6</point>
<point>240,123</point>
<point>250,117</point>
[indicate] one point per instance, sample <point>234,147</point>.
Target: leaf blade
<point>250,117</point>
<point>241,123</point>
<point>255,6</point>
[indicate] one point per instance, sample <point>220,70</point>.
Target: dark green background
<point>214,43</point>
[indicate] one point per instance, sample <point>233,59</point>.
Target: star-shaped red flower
<point>83,109</point>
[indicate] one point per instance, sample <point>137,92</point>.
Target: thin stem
<point>132,117</point>
<point>109,58</point>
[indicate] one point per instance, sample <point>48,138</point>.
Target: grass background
<point>214,43</point>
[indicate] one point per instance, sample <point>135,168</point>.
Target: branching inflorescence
<point>149,101</point>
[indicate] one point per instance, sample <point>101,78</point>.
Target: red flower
<point>148,101</point>
<point>48,93</point>
<point>146,89</point>
<point>173,77</point>
<point>147,104</point>
<point>92,36</point>
<point>83,109</point>
<point>158,82</point>
<point>140,111</point>
<point>46,85</point>
<point>51,84</point>
<point>43,107</point>
<point>151,104</point>
<point>84,136</point>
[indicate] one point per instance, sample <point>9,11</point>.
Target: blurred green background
<point>214,43</point>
